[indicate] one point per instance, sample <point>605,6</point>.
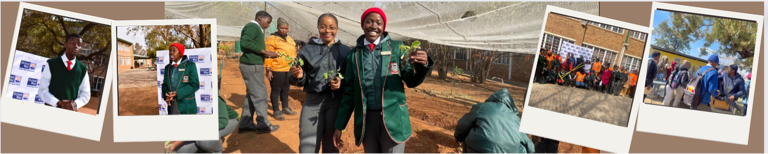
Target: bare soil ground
<point>434,114</point>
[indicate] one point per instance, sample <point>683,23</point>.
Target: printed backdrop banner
<point>25,77</point>
<point>204,96</point>
<point>567,47</point>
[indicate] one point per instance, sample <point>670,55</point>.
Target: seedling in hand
<point>406,51</point>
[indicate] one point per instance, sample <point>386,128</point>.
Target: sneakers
<point>279,116</point>
<point>288,111</point>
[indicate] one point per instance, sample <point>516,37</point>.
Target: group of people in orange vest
<point>580,72</point>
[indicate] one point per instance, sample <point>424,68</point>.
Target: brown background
<point>17,139</point>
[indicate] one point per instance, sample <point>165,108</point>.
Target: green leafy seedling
<point>339,74</point>
<point>407,50</point>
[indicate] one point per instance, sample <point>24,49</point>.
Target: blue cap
<point>714,58</point>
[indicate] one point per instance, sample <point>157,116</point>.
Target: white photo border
<point>576,130</point>
<point>143,128</point>
<point>656,119</point>
<point>54,120</point>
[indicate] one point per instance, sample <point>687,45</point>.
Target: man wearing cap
<point>180,82</point>
<point>709,82</point>
<point>68,77</point>
<point>651,71</point>
<point>733,85</point>
<point>375,80</point>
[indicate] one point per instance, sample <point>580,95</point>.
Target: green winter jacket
<point>393,103</point>
<point>173,80</point>
<point>492,127</point>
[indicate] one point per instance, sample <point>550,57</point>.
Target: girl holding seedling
<point>319,70</point>
<point>377,68</point>
<point>277,68</point>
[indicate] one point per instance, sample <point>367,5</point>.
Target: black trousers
<point>280,88</point>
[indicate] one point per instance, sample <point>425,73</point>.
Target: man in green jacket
<point>374,88</point>
<point>228,120</point>
<point>180,82</point>
<point>492,127</point>
<point>252,68</point>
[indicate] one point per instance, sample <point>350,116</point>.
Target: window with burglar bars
<point>631,63</point>
<point>638,35</point>
<point>608,27</point>
<point>459,54</point>
<point>503,58</point>
<point>552,42</point>
<point>602,54</point>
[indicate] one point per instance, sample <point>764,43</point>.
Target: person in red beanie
<point>374,88</point>
<point>180,82</point>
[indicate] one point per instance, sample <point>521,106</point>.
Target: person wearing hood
<point>324,58</point>
<point>733,85</point>
<point>493,127</point>
<point>374,90</point>
<point>677,84</point>
<point>180,82</point>
<point>278,69</point>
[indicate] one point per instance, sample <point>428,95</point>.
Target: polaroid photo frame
<point>48,118</point>
<point>146,128</point>
<point>657,119</point>
<point>572,129</point>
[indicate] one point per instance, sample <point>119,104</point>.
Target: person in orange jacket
<point>278,69</point>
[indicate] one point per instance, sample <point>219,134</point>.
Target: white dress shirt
<point>83,96</point>
<point>263,31</point>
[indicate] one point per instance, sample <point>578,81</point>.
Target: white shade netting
<point>494,26</point>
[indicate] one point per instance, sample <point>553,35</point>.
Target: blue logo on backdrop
<point>197,58</point>
<point>27,66</point>
<point>205,97</point>
<point>38,99</point>
<point>161,106</point>
<point>205,71</point>
<point>20,96</point>
<point>162,71</point>
<point>15,80</point>
<point>160,60</point>
<point>33,83</point>
<point>160,84</point>
<point>202,85</point>
<point>201,109</point>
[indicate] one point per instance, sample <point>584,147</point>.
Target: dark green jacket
<point>394,106</point>
<point>251,43</point>
<point>185,91</point>
<point>225,113</point>
<point>492,127</point>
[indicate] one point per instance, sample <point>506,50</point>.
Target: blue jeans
<point>744,110</point>
<point>580,84</point>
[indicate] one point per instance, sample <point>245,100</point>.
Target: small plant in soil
<point>406,50</point>
<point>455,75</point>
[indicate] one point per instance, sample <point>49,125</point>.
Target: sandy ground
<point>433,111</point>
<point>582,103</point>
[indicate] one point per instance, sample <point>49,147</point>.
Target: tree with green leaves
<point>44,34</point>
<point>160,37</point>
<point>734,37</point>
